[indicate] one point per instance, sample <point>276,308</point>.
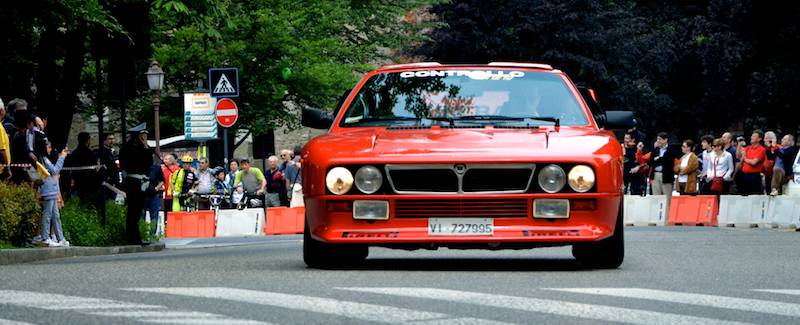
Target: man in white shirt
<point>706,156</point>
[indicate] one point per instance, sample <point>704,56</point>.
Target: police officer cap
<point>141,128</point>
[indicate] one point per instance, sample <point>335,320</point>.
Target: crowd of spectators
<point>721,165</point>
<point>94,176</point>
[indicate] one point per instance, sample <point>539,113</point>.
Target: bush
<point>20,213</point>
<point>82,225</point>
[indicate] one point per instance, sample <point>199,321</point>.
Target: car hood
<point>462,144</point>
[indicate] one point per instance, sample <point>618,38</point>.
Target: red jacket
<point>168,176</point>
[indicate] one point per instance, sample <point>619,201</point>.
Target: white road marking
<point>781,291</point>
<point>113,308</point>
<point>752,305</point>
<point>357,310</point>
<point>555,307</point>
<point>175,317</point>
<point>12,322</point>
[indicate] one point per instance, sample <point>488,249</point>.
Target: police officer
<point>135,158</point>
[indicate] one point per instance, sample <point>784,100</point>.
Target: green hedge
<point>82,226</point>
<point>20,214</point>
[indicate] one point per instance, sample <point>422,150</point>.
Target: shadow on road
<point>466,264</point>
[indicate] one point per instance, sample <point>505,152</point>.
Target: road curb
<point>26,255</point>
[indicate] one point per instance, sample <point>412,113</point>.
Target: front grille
<point>424,180</point>
<point>492,180</point>
<point>462,208</point>
<point>460,178</point>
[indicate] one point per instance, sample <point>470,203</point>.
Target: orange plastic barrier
<point>283,220</point>
<point>700,210</point>
<point>196,224</point>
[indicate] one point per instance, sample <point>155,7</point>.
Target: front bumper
<point>581,226</point>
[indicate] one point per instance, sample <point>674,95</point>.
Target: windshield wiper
<point>555,120</point>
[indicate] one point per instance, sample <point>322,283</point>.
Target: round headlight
<point>369,179</point>
<point>552,178</point>
<point>339,180</point>
<point>581,178</point>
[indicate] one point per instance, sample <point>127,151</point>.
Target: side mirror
<point>316,118</point>
<point>617,120</point>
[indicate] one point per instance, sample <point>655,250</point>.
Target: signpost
<point>227,113</point>
<point>224,82</point>
<point>199,121</point>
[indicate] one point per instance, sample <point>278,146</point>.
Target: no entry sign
<point>227,112</point>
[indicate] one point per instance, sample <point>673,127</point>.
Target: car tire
<point>604,254</point>
<point>317,254</point>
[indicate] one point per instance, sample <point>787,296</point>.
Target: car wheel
<point>320,255</point>
<point>607,253</point>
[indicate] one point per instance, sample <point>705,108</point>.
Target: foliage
<point>82,227</point>
<point>684,66</point>
<point>46,46</point>
<point>325,44</point>
<point>20,213</point>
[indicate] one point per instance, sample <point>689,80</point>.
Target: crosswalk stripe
<point>60,302</point>
<point>113,308</point>
<point>357,310</point>
<point>745,304</point>
<point>555,307</point>
<point>781,291</point>
<point>12,322</point>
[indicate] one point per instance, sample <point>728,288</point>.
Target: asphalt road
<point>670,276</point>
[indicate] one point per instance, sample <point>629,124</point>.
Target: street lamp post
<point>155,80</point>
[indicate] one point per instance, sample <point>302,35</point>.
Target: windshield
<point>464,96</point>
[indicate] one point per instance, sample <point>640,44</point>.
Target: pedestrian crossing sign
<point>224,82</point>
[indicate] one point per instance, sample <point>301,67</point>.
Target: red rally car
<point>492,156</point>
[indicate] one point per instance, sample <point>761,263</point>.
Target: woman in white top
<point>721,166</point>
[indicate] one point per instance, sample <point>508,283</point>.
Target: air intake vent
<point>410,127</point>
<point>461,208</point>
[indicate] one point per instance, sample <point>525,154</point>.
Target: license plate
<point>460,226</point>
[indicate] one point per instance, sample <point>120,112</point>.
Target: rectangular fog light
<point>551,208</point>
<point>370,210</point>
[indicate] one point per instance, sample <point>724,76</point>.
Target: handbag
<point>717,183</point>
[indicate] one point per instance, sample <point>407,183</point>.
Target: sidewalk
<point>25,255</point>
<point>184,243</point>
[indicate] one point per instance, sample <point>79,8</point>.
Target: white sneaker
<point>52,243</point>
<point>64,243</point>
<point>774,192</point>
<point>37,241</point>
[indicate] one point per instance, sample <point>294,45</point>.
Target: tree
<point>46,45</point>
<point>684,66</point>
<point>289,54</point>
